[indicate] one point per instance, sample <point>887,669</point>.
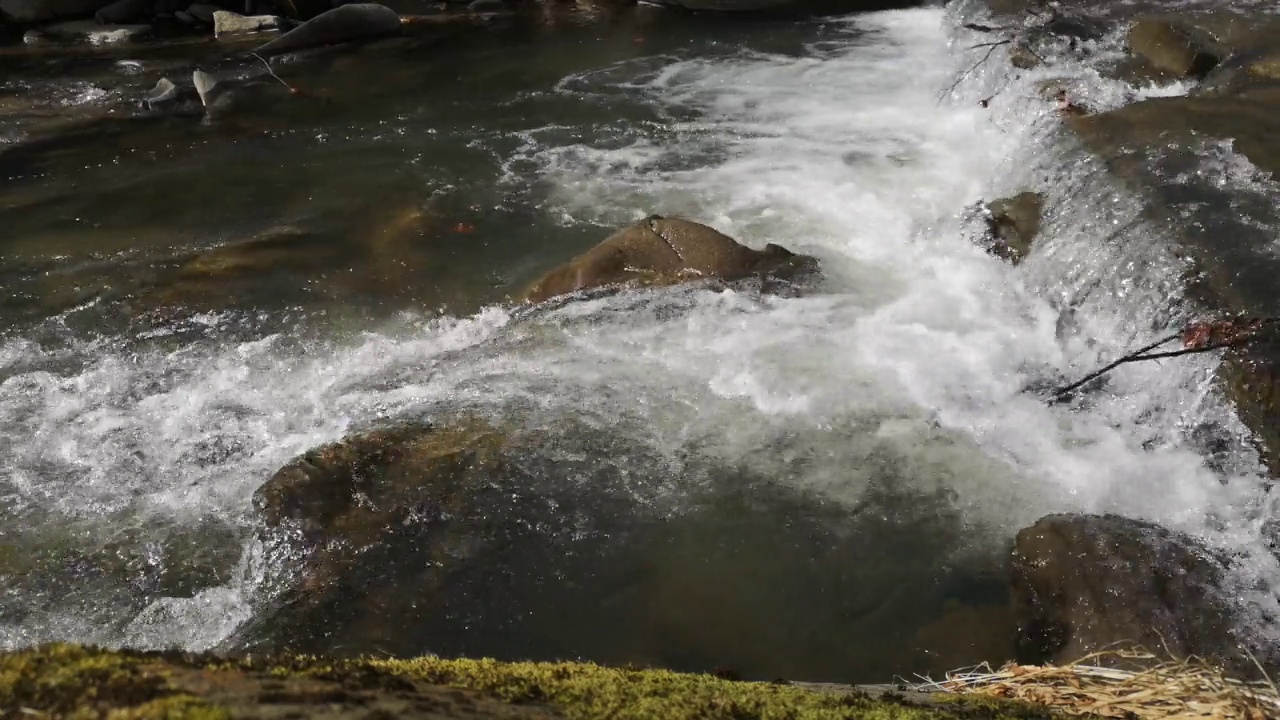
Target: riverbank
<point>71,682</point>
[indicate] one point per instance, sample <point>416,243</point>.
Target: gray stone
<point>28,11</point>
<point>486,6</point>
<point>202,12</point>
<point>35,37</point>
<point>121,11</point>
<point>185,17</point>
<point>165,91</point>
<point>227,23</point>
<point>91,32</point>
<point>343,24</point>
<point>207,87</point>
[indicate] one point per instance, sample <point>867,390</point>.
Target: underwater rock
<point>660,251</point>
<point>92,32</point>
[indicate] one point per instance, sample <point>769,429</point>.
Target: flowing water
<point>150,382</point>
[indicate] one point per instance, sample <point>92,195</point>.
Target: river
<point>149,385</point>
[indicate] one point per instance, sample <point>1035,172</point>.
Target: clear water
<point>129,452</point>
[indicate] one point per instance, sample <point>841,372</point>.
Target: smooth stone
<point>341,24</point>
<point>228,23</point>
<point>165,91</point>
<point>660,251</point>
<point>95,34</point>
<point>486,6</point>
<point>202,12</point>
<point>185,17</point>
<point>121,11</point>
<point>206,87</point>
<point>34,37</point>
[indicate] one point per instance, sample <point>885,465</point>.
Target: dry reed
<point>1165,690</point>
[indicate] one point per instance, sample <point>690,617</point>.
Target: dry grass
<point>1164,690</point>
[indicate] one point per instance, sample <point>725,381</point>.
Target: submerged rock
<point>573,541</point>
<point>1171,47</point>
<point>362,21</point>
<point>1014,223</point>
<point>1082,583</point>
<point>660,251</point>
<point>92,32</point>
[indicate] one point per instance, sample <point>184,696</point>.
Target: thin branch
<point>991,48</point>
<point>267,65</point>
<point>1062,393</point>
<point>1200,337</point>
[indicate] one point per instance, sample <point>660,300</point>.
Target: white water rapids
<point>918,356</point>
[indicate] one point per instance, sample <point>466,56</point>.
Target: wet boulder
<point>660,251</point>
<point>1082,583</point>
<point>1013,224</point>
<point>346,23</point>
<point>569,539</point>
<point>1168,46</point>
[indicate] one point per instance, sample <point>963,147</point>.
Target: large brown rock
<point>1082,583</point>
<point>573,541</point>
<point>666,251</point>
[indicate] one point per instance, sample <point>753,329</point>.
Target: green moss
<point>85,683</point>
<point>64,681</point>
<point>590,691</point>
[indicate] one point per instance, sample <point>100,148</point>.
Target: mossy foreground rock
<point>66,681</point>
<point>660,251</point>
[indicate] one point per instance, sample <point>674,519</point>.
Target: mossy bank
<point>69,681</point>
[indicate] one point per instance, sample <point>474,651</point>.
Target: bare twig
<point>267,65</point>
<point>1064,392</point>
<point>991,48</point>
<point>1199,337</point>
